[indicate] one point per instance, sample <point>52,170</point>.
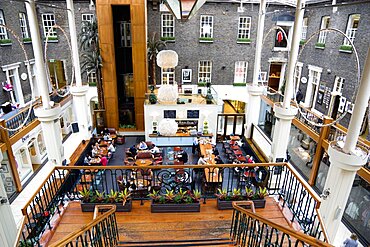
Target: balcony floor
<point>141,224</point>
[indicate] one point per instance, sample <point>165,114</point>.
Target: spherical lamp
<point>168,93</point>
<point>167,59</point>
<point>167,127</point>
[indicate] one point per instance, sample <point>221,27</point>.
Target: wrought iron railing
<point>250,229</point>
<point>102,231</point>
<point>280,180</point>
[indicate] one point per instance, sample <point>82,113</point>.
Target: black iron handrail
<point>250,229</point>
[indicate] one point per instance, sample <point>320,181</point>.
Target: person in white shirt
<point>111,148</point>
<point>155,149</point>
<point>143,146</point>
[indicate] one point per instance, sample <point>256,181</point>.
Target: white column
<point>281,133</point>
<point>79,91</point>
<point>8,229</point>
<point>41,78</point>
<point>51,132</point>
<point>296,38</point>
<point>255,91</point>
<point>346,161</point>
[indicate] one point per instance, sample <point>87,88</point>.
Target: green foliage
<point>112,196</point>
<point>86,195</point>
<point>127,126</point>
<point>205,39</point>
<point>319,45</point>
<point>244,40</point>
<point>345,48</point>
<point>25,243</point>
<point>124,196</point>
<point>154,45</point>
<point>222,194</point>
<point>171,197</point>
<point>202,84</point>
<point>27,40</point>
<point>51,38</point>
<point>249,193</point>
<point>5,41</point>
<point>99,196</point>
<point>152,96</point>
<point>239,84</point>
<point>302,42</point>
<point>167,38</point>
<point>262,192</point>
<point>236,194</point>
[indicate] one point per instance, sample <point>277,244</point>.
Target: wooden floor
<point>142,225</point>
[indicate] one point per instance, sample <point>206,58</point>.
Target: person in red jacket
<point>104,161</point>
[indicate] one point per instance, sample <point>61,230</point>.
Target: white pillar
<point>255,91</point>
<point>281,133</point>
<point>41,78</point>
<point>51,132</point>
<point>341,174</point>
<point>8,229</point>
<point>296,38</point>
<point>78,91</point>
<point>346,161</point>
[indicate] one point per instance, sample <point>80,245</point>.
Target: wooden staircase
<point>174,243</point>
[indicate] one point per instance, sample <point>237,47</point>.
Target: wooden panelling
<point>365,174</point>
<point>139,58</point>
<point>306,129</point>
<point>24,131</point>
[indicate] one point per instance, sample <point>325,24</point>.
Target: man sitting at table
<point>155,149</point>
<point>133,150</point>
<point>143,146</point>
<point>111,148</point>
<point>182,156</point>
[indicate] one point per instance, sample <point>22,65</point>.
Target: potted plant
<point>182,201</point>
<point>152,96</point>
<point>225,199</point>
<point>122,200</point>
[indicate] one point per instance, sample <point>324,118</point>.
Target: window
<point>304,29</point>
<point>23,24</point>
<point>204,71</point>
<point>40,143</point>
<point>12,78</point>
<point>125,29</point>
<point>206,27</point>
<point>298,74</point>
<point>240,75</point>
<point>48,21</point>
<point>57,73</point>
<point>314,74</point>
<point>168,27</point>
<point>31,64</point>
<point>282,42</point>
<point>244,29</point>
<point>168,76</point>
<point>338,85</point>
<point>91,77</point>
<point>88,17</point>
<point>325,22</point>
<point>352,26</point>
<point>3,32</point>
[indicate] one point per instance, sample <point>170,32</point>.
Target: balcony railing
<point>280,180</point>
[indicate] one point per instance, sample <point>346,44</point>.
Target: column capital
<point>79,90</point>
<point>46,115</point>
<point>347,161</point>
<point>255,90</point>
<point>284,113</point>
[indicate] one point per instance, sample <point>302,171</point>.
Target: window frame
<point>91,77</point>
<point>165,33</point>
<point>304,28</point>
<point>350,30</point>
<point>204,76</point>
<point>246,28</point>
<point>23,25</point>
<point>325,23</point>
<point>3,32</point>
<point>168,73</point>
<point>12,76</point>
<point>289,25</point>
<point>314,76</point>
<point>298,74</point>
<point>89,17</point>
<point>206,20</point>
<point>243,66</point>
<point>338,81</point>
<point>52,21</point>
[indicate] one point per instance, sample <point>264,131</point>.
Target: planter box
<point>173,208</point>
<point>89,206</point>
<point>224,205</point>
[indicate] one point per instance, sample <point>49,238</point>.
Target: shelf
<point>275,77</point>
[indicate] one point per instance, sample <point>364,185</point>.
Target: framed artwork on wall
<point>186,75</point>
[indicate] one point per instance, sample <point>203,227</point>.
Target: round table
<point>143,162</point>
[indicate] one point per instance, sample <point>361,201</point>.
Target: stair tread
<point>193,242</point>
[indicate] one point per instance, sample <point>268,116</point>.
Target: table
<point>95,161</point>
<point>234,138</point>
<point>143,162</point>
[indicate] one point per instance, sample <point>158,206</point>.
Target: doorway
<point>230,124</point>
<point>274,76</point>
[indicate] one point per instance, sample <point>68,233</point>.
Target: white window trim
<point>201,34</point>
<point>351,19</point>
<point>30,76</point>
<point>307,100</point>
<point>323,35</point>
<point>210,72</point>
<point>23,20</point>
<point>173,24</point>
<point>248,20</point>
<point>2,18</point>
<point>288,24</point>
<point>341,81</point>
<point>298,74</point>
<point>18,86</point>
<point>89,15</point>
<point>245,71</point>
<point>44,27</point>
<point>304,28</point>
<point>262,77</point>
<point>167,74</point>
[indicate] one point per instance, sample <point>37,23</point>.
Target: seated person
<point>133,150</point>
<point>94,151</point>
<point>105,131</point>
<point>202,160</point>
<point>87,160</point>
<point>97,146</point>
<point>106,137</point>
<point>155,149</point>
<point>143,146</point>
<point>104,161</point>
<point>111,148</point>
<point>215,151</point>
<point>218,159</point>
<point>182,156</point>
<point>195,145</point>
<point>249,159</point>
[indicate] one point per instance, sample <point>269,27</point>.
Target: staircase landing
<point>140,225</point>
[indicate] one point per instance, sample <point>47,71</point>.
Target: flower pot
<point>90,206</point>
<point>224,205</point>
<point>173,207</point>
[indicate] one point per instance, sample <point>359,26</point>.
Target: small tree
<point>154,46</point>
<point>92,60</point>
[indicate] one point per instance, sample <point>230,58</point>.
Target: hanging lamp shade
<point>167,127</point>
<point>167,59</point>
<point>168,93</point>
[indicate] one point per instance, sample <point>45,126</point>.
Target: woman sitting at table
<point>111,148</point>
<point>94,151</point>
<point>155,149</point>
<point>87,160</point>
<point>143,146</point>
<point>104,161</point>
